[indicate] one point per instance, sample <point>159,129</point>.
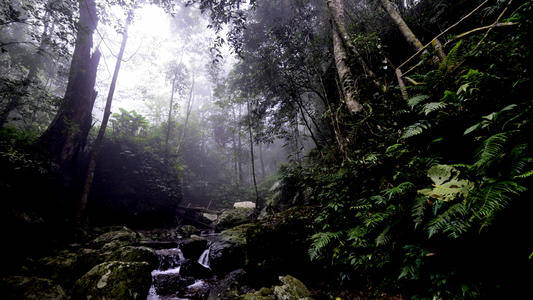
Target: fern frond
<point>494,198</point>
<point>321,240</point>
<point>492,148</point>
<point>417,212</point>
<point>384,238</point>
<point>417,100</point>
<point>452,221</point>
<point>399,190</point>
<point>525,175</point>
<point>414,130</point>
<point>433,106</point>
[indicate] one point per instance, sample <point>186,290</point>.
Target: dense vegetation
<point>406,126</point>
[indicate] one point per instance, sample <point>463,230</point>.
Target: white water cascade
<point>204,259</point>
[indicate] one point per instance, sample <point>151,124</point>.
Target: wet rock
<point>188,230</point>
<point>262,294</point>
<point>20,287</point>
<point>115,280</point>
<point>168,284</point>
<point>292,288</point>
<point>193,247</point>
<point>198,290</point>
<point>115,239</point>
<point>169,258</point>
<point>135,254</point>
<point>233,217</point>
<point>192,268</point>
<point>280,245</point>
<point>228,251</point>
<point>232,285</point>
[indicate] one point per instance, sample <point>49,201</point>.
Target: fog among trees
<point>265,149</point>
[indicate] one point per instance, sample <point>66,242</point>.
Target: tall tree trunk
<point>169,127</point>
<point>406,31</point>
<point>341,54</point>
<point>263,173</point>
<point>235,153</point>
<point>258,205</point>
<point>80,211</point>
<point>239,144</point>
<point>188,113</point>
<point>67,134</point>
<point>16,98</point>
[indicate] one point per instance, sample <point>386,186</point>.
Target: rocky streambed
<point>248,261</point>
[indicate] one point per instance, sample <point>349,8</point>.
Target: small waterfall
<point>169,258</point>
<point>204,259</point>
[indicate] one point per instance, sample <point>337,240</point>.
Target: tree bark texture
<point>340,53</point>
<point>67,134</point>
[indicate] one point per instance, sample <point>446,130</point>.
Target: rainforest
<point>266,149</point>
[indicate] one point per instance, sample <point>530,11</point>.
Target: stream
<point>178,278</point>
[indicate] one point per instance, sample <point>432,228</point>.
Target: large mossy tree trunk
<point>67,134</point>
<point>341,55</point>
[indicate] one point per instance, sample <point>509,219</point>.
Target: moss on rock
<point>20,287</point>
<point>135,254</point>
<point>115,280</point>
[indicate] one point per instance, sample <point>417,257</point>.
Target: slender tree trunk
<point>263,173</point>
<point>235,153</point>
<point>258,205</point>
<point>67,134</point>
<point>101,132</point>
<point>169,127</point>
<point>340,52</point>
<point>406,31</point>
<point>239,143</point>
<point>188,113</point>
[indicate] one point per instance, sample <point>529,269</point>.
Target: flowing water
<point>170,261</point>
<point>204,259</point>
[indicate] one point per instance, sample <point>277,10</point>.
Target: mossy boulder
<point>20,287</point>
<point>233,217</point>
<point>227,253</point>
<point>115,280</point>
<point>262,294</point>
<point>280,245</point>
<point>135,254</point>
<point>116,239</point>
<point>193,247</point>
<point>188,230</point>
<point>292,289</point>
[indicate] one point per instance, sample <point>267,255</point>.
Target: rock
<point>244,204</point>
<point>229,287</point>
<point>188,230</point>
<point>262,294</point>
<point>169,258</point>
<point>280,245</point>
<point>291,289</point>
<point>198,290</point>
<point>210,217</point>
<point>135,254</point>
<point>228,251</point>
<point>168,284</point>
<point>191,268</point>
<point>233,217</point>
<point>115,280</point>
<point>20,287</point>
<point>193,247</point>
<point>62,268</point>
<point>116,239</point>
